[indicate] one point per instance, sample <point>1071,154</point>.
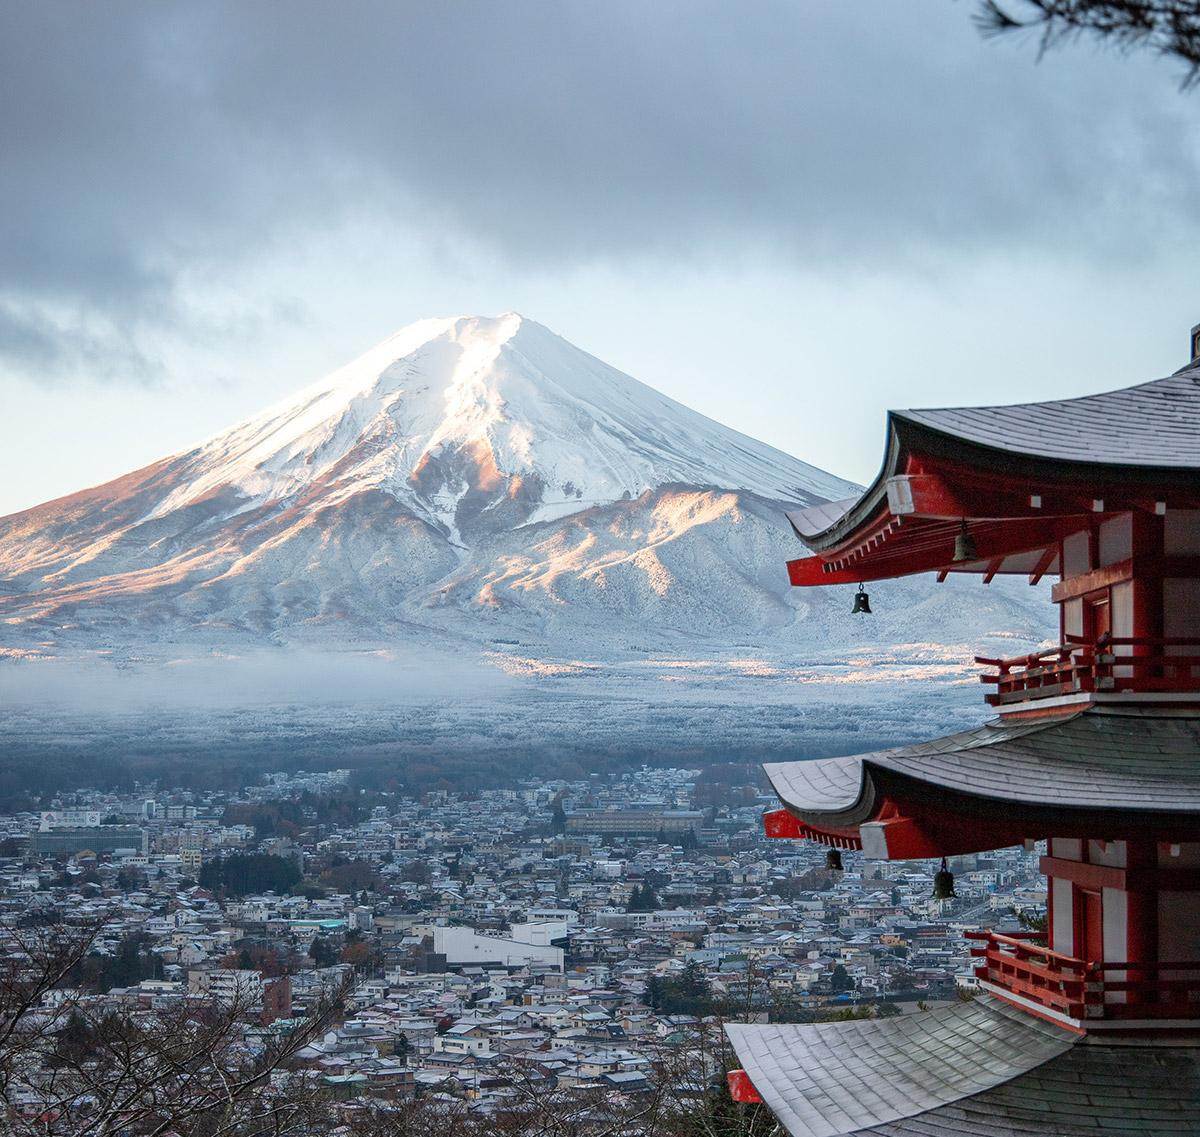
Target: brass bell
<point>964,545</point>
<point>862,603</point>
<point>833,860</point>
<point>943,883</point>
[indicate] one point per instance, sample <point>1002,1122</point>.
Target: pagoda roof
<point>1023,475</point>
<point>1155,424</point>
<point>1094,759</point>
<point>980,1068</point>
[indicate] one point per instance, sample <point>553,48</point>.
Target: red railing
<point>1132,664</point>
<point>1082,989</point>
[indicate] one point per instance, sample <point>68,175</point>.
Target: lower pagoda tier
<point>980,1068</point>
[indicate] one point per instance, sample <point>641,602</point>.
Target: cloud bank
<point>153,153</point>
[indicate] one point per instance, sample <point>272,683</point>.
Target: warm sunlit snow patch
<point>893,675</point>
<point>16,653</point>
<point>679,664</point>
<point>527,668</point>
<point>758,668</point>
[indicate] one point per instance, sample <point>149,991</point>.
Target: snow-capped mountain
<point>480,424</point>
<point>468,481</point>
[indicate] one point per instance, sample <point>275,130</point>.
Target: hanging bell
<point>862,603</point>
<point>833,860</point>
<point>964,545</point>
<point>943,883</point>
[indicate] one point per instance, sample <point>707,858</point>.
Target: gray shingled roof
<point>829,1079</point>
<point>818,518</point>
<point>1118,1091</point>
<point>1094,759</point>
<point>981,1068</point>
<point>1153,424</point>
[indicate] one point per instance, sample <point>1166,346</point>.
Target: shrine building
<point>1093,1026</point>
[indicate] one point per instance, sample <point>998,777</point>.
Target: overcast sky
<point>787,215</point>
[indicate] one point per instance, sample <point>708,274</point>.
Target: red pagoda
<point>1092,1027</point>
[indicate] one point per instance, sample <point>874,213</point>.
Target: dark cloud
<point>144,143</point>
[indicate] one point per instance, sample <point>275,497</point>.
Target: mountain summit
<point>467,480</point>
<point>484,423</point>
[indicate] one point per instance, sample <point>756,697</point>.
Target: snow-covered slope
<point>470,483</point>
<point>485,423</point>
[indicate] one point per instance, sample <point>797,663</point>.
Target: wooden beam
<point>1043,564</point>
<point>1143,567</point>
<point>993,567</point>
<point>925,546</point>
<point>1092,581</point>
<point>1185,878</point>
<point>1083,874</point>
<point>897,839</point>
<point>924,495</point>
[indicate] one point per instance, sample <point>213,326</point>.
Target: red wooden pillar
<point>1147,589</point>
<point>1141,910</point>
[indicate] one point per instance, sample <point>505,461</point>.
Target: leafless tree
<point>1170,28</point>
<point>72,1063</point>
<point>677,1101</point>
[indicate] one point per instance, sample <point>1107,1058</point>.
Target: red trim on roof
<point>741,1089</point>
<point>784,823</point>
<point>907,522</point>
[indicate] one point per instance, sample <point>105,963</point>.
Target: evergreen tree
<point>558,816</point>
<point>77,1031</point>
<point>74,1040</point>
<point>1168,28</point>
<point>840,980</point>
<point>643,898</point>
<point>693,982</point>
<point>323,952</point>
<point>244,873</point>
<point>124,969</point>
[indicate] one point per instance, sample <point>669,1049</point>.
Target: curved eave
<point>835,525</point>
<point>818,532</point>
<point>1128,448</point>
<point>1142,768</point>
<point>832,793</point>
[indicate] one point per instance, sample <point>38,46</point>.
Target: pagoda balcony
<point>1141,666</point>
<point>1090,992</point>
